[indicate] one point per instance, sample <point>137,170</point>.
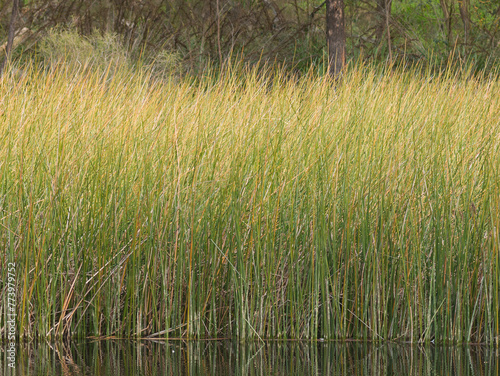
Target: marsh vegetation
<point>250,205</point>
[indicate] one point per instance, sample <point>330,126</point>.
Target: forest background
<point>184,35</point>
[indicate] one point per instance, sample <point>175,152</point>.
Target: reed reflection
<point>120,357</point>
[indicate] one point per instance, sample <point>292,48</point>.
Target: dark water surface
<point>224,358</point>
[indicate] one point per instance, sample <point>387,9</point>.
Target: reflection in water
<point>222,358</point>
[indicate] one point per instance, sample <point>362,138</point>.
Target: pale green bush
<point>68,47</point>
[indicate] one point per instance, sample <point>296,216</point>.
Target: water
<point>224,358</point>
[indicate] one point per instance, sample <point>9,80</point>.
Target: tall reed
<point>252,205</point>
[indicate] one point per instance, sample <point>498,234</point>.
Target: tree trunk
<point>12,31</point>
<point>384,16</point>
<point>464,14</point>
<point>388,6</point>
<point>448,13</point>
<point>381,15</point>
<point>335,35</point>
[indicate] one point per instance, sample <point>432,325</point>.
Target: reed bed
<point>251,205</point>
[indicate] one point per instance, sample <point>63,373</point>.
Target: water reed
<point>252,206</point>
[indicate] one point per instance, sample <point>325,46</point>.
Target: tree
<point>335,36</point>
<point>12,31</point>
<point>464,7</point>
<point>384,15</point>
